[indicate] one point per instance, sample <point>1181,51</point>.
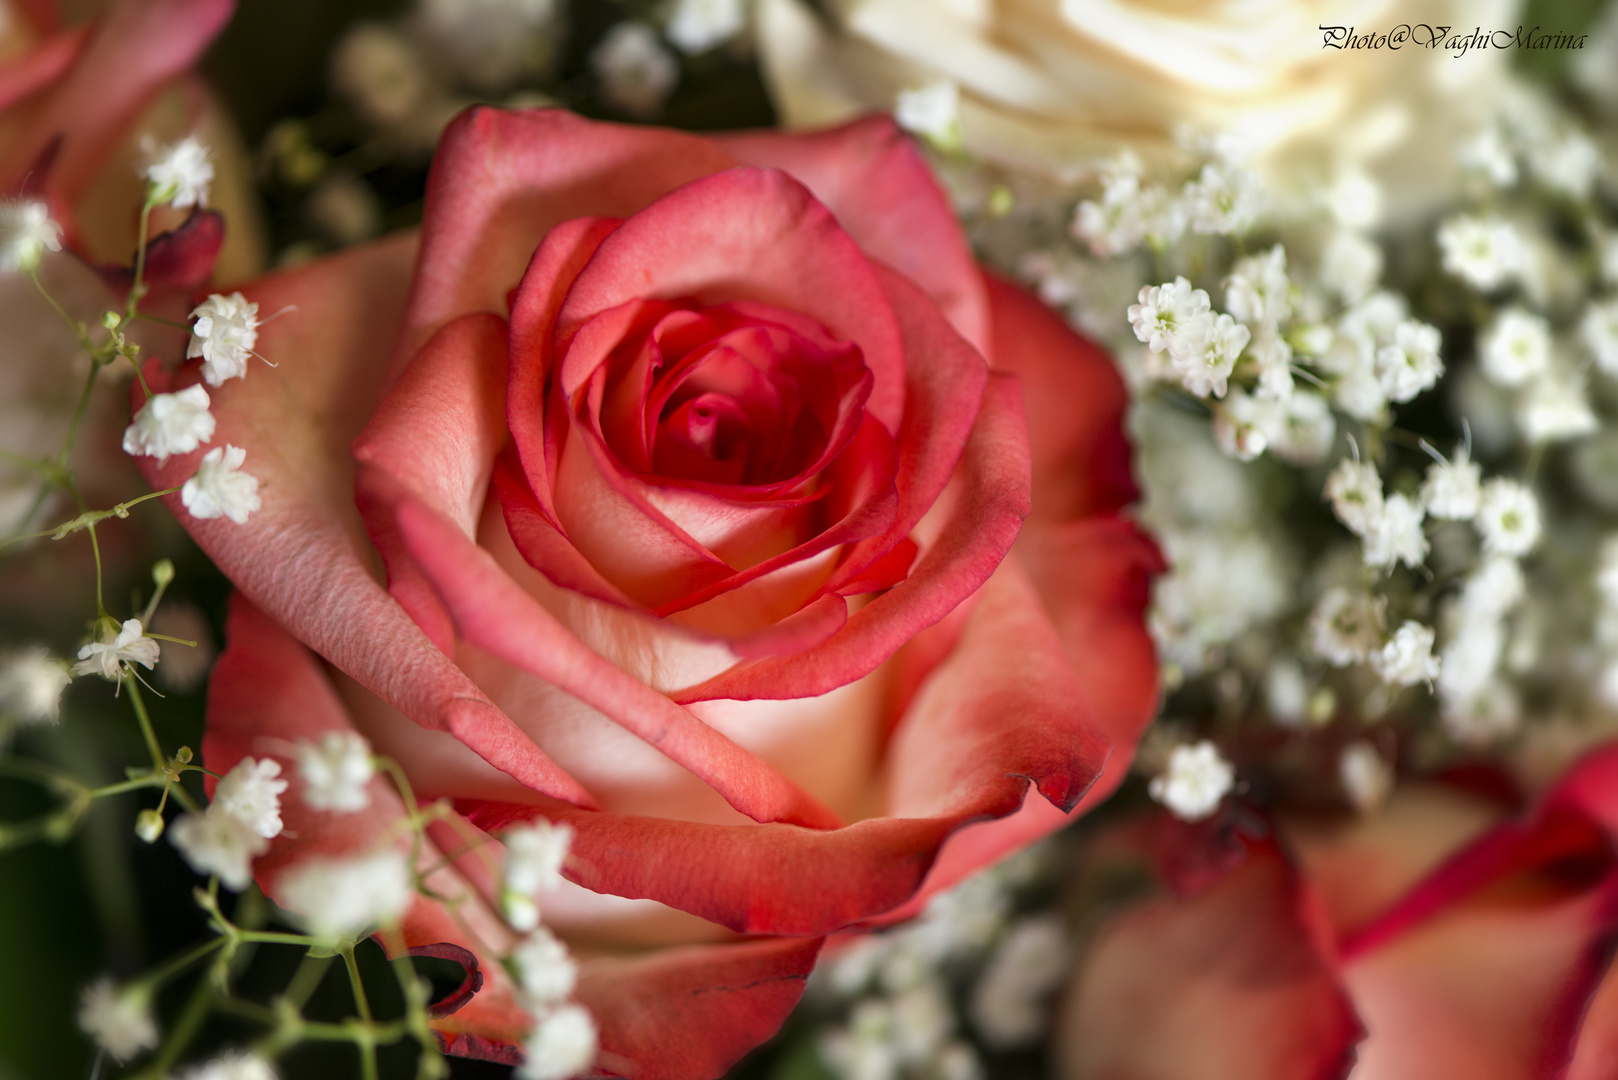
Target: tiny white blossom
<point>1508,518</point>
<point>220,488</point>
<point>1196,779</point>
<point>1008,1003</point>
<point>932,111</point>
<point>1516,347</point>
<point>1599,328</point>
<point>31,685</point>
<point>180,174</point>
<point>535,854</point>
<point>1351,265</point>
<point>170,424</point>
<point>1491,713</point>
<point>1396,535</point>
<point>1365,776</point>
<point>1487,154</point>
<point>1210,355</point>
<point>26,231</point>
<point>1343,627</point>
<point>544,970</point>
<point>251,793</point>
<point>1271,354</point>
<point>218,843</point>
<point>1355,200</point>
<point>1568,164</point>
<point>1410,364</point>
<point>1407,658</point>
<point>128,645</point>
<point>637,74</point>
<point>1487,252</point>
<point>1469,659</point>
<point>1127,213</point>
<point>1492,590</point>
<point>1257,290</point>
<point>1240,425</point>
<point>225,331</point>
<point>563,1045</point>
<point>120,1022</point>
<point>1555,409</point>
<point>339,898</point>
<point>1355,492</point>
<point>1222,200</point>
<point>232,1065</point>
<point>336,771</point>
<point>1166,313</point>
<point>698,25</point>
<point>1451,488</point>
<point>149,825</point>
<point>1303,433</point>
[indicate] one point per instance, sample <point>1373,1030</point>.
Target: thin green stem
<point>158,976</point>
<point>184,1029</point>
<point>159,319</point>
<point>44,469</point>
<point>138,703</point>
<point>311,969</point>
<point>73,324</point>
<point>367,1045</point>
<point>138,286</point>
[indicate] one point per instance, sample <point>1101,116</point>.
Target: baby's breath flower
<point>1355,492</point>
<point>1600,331</point>
<point>1555,409</point>
<point>224,334</point>
<point>1196,779</point>
<point>336,772</point>
<point>1272,356</point>
<point>1488,715</point>
<point>1303,433</point>
<point>232,1065</point>
<point>31,685</point>
<point>1210,355</point>
<point>1516,347</point>
<point>563,1045</point>
<point>1407,658</point>
<point>220,488</point>
<point>120,1021</point>
<point>637,74</point>
<point>1487,154</point>
<point>1567,164</point>
<point>339,898</point>
<point>1365,776</point>
<point>535,854</point>
<point>216,842</point>
<point>1486,252</point>
<point>544,970</point>
<point>1257,289</point>
<point>128,645</point>
<point>1343,627</point>
<point>1410,364</point>
<point>1492,590</point>
<point>1222,200</point>
<point>1451,488</point>
<point>932,111</point>
<point>170,424</point>
<point>698,25</point>
<point>26,231</point>
<point>1240,424</point>
<point>1508,518</point>
<point>1351,265</point>
<point>1008,1003</point>
<point>251,793</point>
<point>179,174</point>
<point>1395,534</point>
<point>1470,658</point>
<point>1167,315</point>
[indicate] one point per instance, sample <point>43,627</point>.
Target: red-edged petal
<point>137,47</point>
<point>689,1014</point>
<point>493,613</point>
<point>501,180</point>
<point>296,422</point>
<point>1074,401</point>
<point>1229,982</point>
<point>985,511</point>
<point>179,261</point>
<point>41,65</point>
<point>878,184</point>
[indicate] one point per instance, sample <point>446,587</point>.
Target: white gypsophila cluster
<point>490,44</point>
<point>1345,627</point>
<point>545,973</point>
<point>1507,518</point>
<point>932,111</point>
<point>170,424</point>
<point>562,1045</point>
<point>637,74</point>
<point>1516,347</point>
<point>1128,213</point>
<point>696,26</point>
<point>179,175</point>
<point>338,899</point>
<point>1409,363</point>
<point>119,1021</point>
<point>1258,290</point>
<point>1407,657</point>
<point>1197,778</point>
<point>1599,328</point>
<point>1219,584</point>
<point>1009,1003</point>
<point>220,489</point>
<point>911,1033</point>
<point>126,645</point>
<point>232,1065</point>
<point>1177,321</point>
<point>224,334</point>
<point>237,826</point>
<point>1556,408</point>
<point>535,855</point>
<point>1366,777</point>
<point>1487,252</point>
<point>1223,200</point>
<point>336,772</point>
<point>31,685</point>
<point>26,233</point>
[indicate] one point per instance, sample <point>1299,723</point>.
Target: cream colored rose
<point>1060,84</point>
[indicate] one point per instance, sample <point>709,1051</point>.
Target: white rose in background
<point>1063,85</point>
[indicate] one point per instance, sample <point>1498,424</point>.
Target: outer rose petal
<point>1229,983</point>
<point>41,65</point>
<point>295,425</point>
<point>877,183</point>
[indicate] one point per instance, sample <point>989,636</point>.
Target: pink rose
<point>694,493</point>
<point>1443,936</point>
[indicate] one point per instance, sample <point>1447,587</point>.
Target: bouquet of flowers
<point>874,541</point>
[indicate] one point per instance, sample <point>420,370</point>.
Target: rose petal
<point>41,65</point>
<point>295,423</point>
<point>178,261</point>
<point>1230,982</point>
<point>878,184</point>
